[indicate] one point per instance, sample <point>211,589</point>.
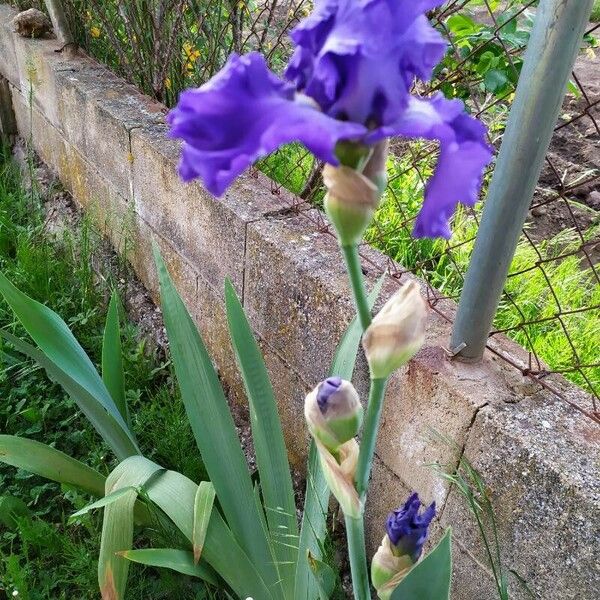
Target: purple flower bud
<point>333,412</point>
<point>407,529</point>
<point>326,390</point>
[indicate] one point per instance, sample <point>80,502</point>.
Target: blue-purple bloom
<point>243,113</point>
<point>407,529</point>
<point>326,390</point>
<point>349,79</point>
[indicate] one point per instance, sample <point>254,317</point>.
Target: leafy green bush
<point>488,54</point>
<point>596,12</point>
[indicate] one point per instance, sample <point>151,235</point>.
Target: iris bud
<point>402,546</point>
<point>375,169</point>
<point>350,203</point>
<point>397,331</point>
<point>333,412</point>
<point>334,415</point>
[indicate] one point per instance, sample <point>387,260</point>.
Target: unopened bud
<point>397,331</point>
<point>350,203</point>
<point>402,545</point>
<point>333,412</point>
<point>334,415</point>
<point>387,569</point>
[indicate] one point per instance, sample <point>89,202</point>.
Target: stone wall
<point>539,457</point>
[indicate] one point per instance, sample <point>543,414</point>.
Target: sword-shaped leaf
<point>56,341</point>
<point>170,558</point>
<point>112,430</point>
<point>103,501</point>
<point>117,525</point>
<point>203,506</point>
<point>50,463</point>
<point>269,445</point>
<point>430,578</point>
<point>112,358</point>
<point>214,430</point>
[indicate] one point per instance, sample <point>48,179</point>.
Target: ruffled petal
<point>358,58</point>
<point>242,114</point>
<point>464,154</point>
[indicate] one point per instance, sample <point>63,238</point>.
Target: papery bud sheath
<point>397,332</point>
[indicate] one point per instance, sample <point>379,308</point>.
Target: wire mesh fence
<point>551,301</point>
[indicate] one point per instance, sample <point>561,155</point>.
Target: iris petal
<point>242,114</point>
<point>358,58</point>
<point>464,154</point>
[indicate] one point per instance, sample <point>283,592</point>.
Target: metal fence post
<point>553,46</point>
<point>60,23</point>
<point>8,123</point>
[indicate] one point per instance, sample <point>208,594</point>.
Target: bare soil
<point>572,167</point>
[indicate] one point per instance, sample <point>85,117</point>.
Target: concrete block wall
<point>539,457</point>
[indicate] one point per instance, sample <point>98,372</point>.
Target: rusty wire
<point>176,45</point>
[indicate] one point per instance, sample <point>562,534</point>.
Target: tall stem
<point>369,436</point>
<point>357,282</point>
<point>355,533</point>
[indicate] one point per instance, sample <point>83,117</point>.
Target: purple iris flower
<point>326,390</point>
<point>407,529</point>
<point>243,113</point>
<point>349,79</point>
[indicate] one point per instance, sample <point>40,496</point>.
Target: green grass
<point>595,18</point>
<point>45,557</point>
<point>444,265</point>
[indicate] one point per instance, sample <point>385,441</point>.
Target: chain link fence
<point>551,301</point>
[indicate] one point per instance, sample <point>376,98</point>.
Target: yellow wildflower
<point>191,54</point>
<point>95,32</point>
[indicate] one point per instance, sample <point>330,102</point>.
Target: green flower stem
<point>369,436</point>
<point>357,282</point>
<point>355,533</point>
<point>355,527</point>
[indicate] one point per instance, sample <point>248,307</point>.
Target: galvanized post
<point>60,23</point>
<point>554,45</point>
<point>8,122</point>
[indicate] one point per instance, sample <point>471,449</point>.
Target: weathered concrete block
<point>110,109</point>
<point>208,231</point>
<point>296,292</point>
<point>539,460</point>
<point>205,307</point>
<point>46,140</point>
<point>290,391</point>
<point>183,274</point>
<point>421,400</point>
<point>8,57</point>
<point>38,63</point>
<point>109,211</point>
<point>470,579</point>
